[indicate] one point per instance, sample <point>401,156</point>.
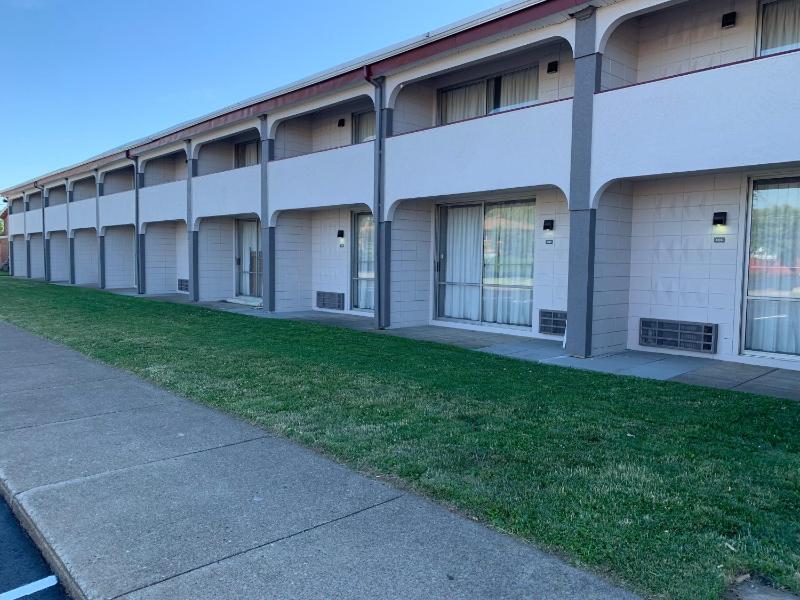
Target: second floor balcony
<point>230,192</point>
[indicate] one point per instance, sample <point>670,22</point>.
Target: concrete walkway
<point>696,370</point>
<point>132,492</point>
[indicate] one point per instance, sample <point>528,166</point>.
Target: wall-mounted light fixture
<point>729,20</point>
<point>720,218</point>
<point>549,225</point>
<point>341,123</point>
<point>340,237</point>
<point>552,66</point>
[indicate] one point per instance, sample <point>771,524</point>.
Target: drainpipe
<point>383,228</point>
<point>139,262</point>
<point>45,241</point>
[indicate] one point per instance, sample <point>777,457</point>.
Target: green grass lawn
<point>673,490</point>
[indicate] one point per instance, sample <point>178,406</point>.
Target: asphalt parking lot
<point>23,572</point>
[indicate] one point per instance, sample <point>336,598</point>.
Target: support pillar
<point>194,269</point>
<point>383,229</point>
<point>10,256</point>
<point>267,232</point>
<point>141,283</point>
<point>583,216</point>
<point>47,274</point>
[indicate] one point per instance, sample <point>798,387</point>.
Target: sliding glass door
<point>363,269</point>
<point>485,262</point>
<point>248,259</point>
<point>772,321</point>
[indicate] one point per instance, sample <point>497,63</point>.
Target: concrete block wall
<point>120,180</point>
<point>216,259</point>
<point>35,201</point>
<point>215,157</point>
<point>120,257</point>
<point>550,261</point>
<point>165,169</point>
<point>411,265</point>
<point>83,189</point>
<point>161,258</point>
<point>59,256</point>
<point>293,261</point>
<point>181,250</point>
<point>57,196</point>
<point>37,256</point>
<point>86,256</point>
<point>330,264</point>
<point>678,271</point>
<point>612,263</point>
<point>20,256</point>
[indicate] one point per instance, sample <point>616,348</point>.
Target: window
<point>773,269</point>
<point>363,127</point>
<point>780,26</point>
<point>485,266</point>
<point>494,94</point>
<point>363,269</point>
<point>247,154</point>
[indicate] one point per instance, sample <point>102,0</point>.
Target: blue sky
<point>79,77</point>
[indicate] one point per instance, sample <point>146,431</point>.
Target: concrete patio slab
<point>38,456</point>
<point>388,553</point>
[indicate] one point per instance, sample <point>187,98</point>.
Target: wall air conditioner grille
<point>183,285</point>
<point>552,322</point>
<point>678,335</point>
<point>330,300</point>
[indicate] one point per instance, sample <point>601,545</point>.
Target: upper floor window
<point>363,127</point>
<point>493,94</point>
<point>247,154</point>
<point>780,26</point>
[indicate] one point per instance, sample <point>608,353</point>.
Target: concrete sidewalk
<point>132,492</point>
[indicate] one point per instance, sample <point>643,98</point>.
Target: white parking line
<point>30,588</point>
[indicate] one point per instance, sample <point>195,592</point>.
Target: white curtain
<point>780,26</point>
<point>365,262</point>
<point>463,103</point>
<point>250,258</point>
<point>773,306</point>
<point>364,127</point>
<point>508,263</point>
<point>519,88</point>
<point>247,154</point>
<point>463,262</point>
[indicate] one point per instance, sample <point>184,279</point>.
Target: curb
<point>52,559</point>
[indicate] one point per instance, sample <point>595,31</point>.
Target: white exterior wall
<point>164,202</point>
<point>677,271</point>
<point>37,256</point>
<point>336,177</point>
<point>84,189</point>
<point>550,261</point>
<point>82,214</point>
<point>33,221</point>
<point>181,251</point>
<point>55,218</point>
<point>59,256</point>
<point>412,264</point>
<point>216,259</point>
<point>233,192</point>
<point>160,257</point>
<point>293,261</point>
<point>668,129</point>
<point>86,257</point>
<point>20,256</point>
<point>120,253</point>
<point>330,264</point>
<point>120,180</point>
<point>165,169</point>
<point>498,152</point>
<point>16,223</point>
<point>118,209</point>
<point>612,262</point>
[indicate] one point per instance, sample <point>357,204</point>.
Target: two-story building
<point>619,174</point>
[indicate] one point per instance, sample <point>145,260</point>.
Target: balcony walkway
<point>769,381</point>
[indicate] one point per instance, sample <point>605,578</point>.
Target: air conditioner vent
<point>552,322</point>
<point>330,300</point>
<point>183,285</point>
<point>678,335</point>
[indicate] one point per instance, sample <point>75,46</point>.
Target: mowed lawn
<point>672,490</point>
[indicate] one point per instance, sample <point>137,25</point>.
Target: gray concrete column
<point>101,264</point>
<point>47,276</point>
<point>194,266</point>
<point>588,65</point>
<point>191,172</point>
<point>10,256</point>
<point>383,229</point>
<point>140,254</point>
<point>72,259</point>
<point>267,232</point>
<point>138,183</point>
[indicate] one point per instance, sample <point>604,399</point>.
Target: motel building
<point>614,174</point>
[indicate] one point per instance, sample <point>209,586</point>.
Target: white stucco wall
<point>117,209</point>
<point>55,218</point>
<point>164,202</point>
<point>16,223</point>
<point>33,221</point>
<point>59,256</point>
<point>120,253</point>
<point>82,214</point>
<point>330,178</point>
<point>233,192</point>
<point>503,151</point>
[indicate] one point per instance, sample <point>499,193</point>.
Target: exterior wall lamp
<point>720,218</point>
<point>549,225</point>
<point>340,237</point>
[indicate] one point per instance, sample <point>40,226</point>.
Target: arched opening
<point>84,189</point>
<point>118,180</point>
<point>237,151</point>
<point>165,169</point>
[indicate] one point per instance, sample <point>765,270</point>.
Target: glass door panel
<point>249,259</point>
<point>364,262</point>
<point>460,264</point>
<point>773,272</point>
